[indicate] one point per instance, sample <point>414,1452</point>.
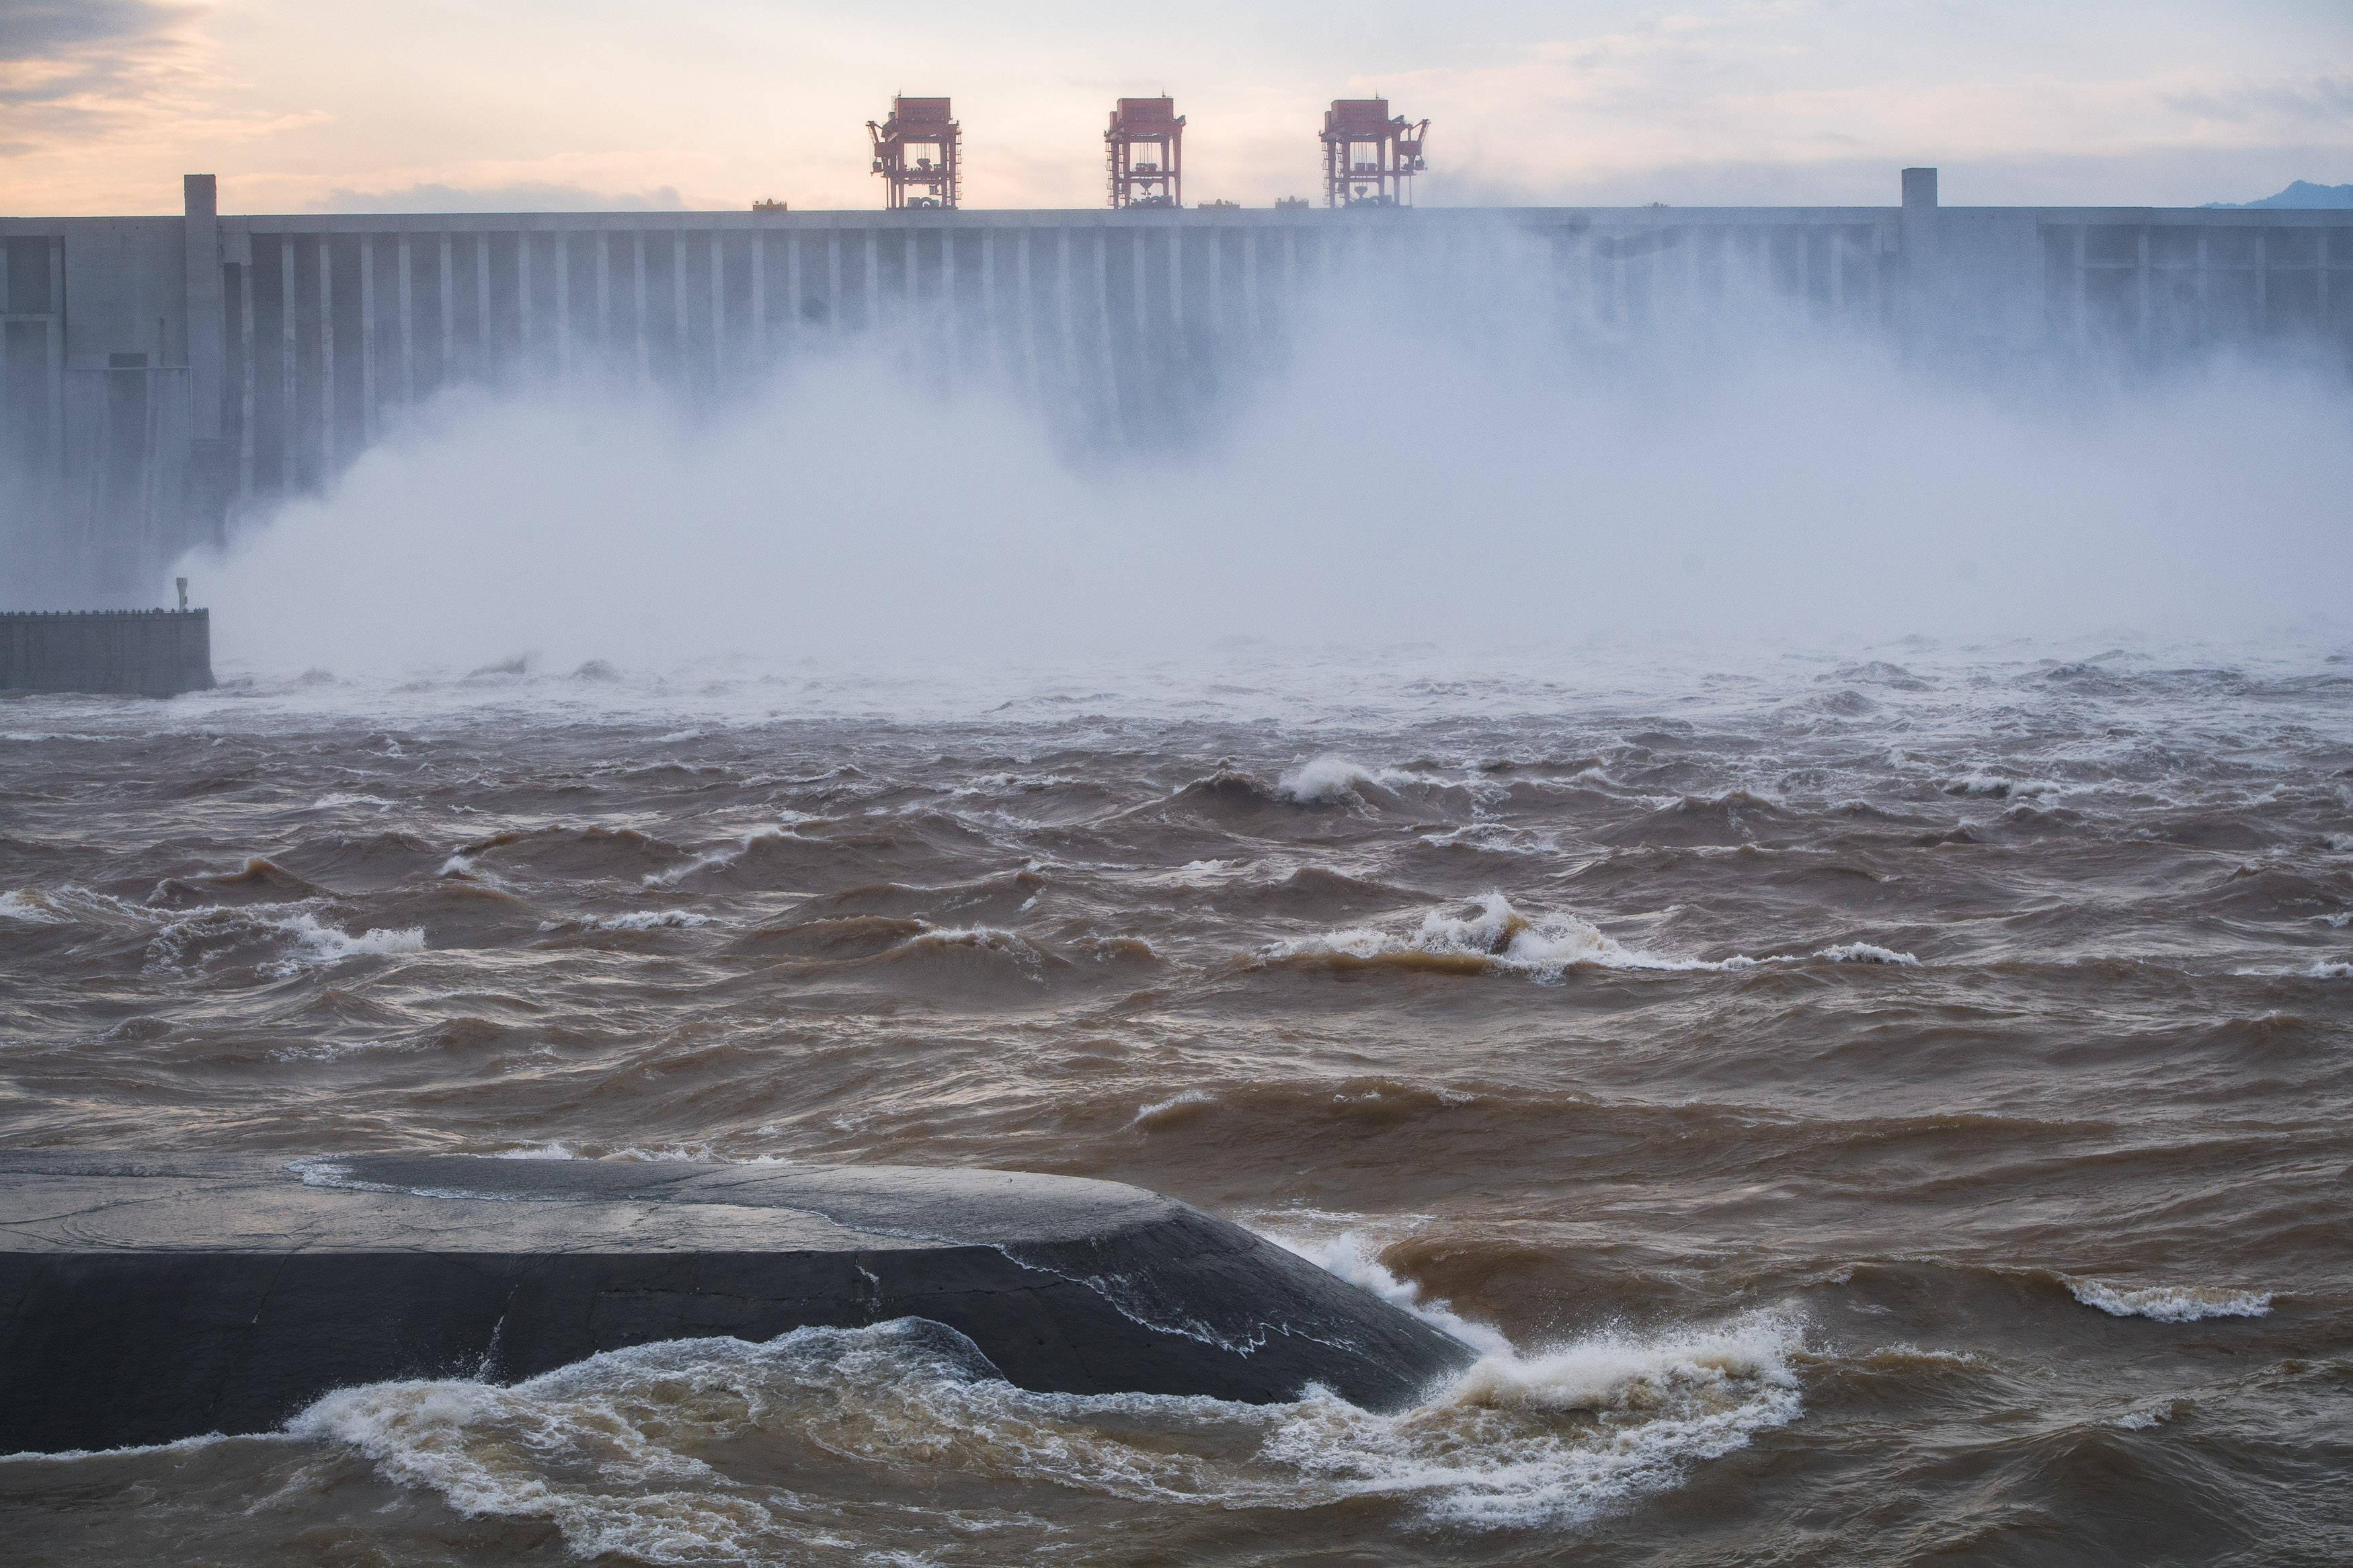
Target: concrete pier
<point>148,1297</point>
<point>124,653</point>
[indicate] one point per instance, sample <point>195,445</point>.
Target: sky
<point>456,105</point>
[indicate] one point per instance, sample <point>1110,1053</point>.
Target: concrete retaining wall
<point>149,1298</point>
<point>131,653</point>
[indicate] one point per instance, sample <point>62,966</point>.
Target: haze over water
<point>1799,899</point>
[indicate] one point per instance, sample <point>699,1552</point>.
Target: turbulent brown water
<point>1888,1107</point>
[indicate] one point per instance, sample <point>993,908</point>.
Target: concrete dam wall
<point>163,375</point>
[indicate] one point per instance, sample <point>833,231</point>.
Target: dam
<point>164,377</point>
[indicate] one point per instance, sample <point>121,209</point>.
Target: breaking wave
<point>1328,780</point>
<point>28,907</point>
<point>220,933</point>
<point>653,1452</point>
<point>2169,1303</point>
<point>633,920</point>
<point>713,859</point>
<point>277,940</point>
<point>1489,935</point>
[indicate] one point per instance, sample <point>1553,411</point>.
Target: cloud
<point>107,101</point>
<point>1668,113</point>
<point>2163,177</point>
<point>43,29</point>
<point>2328,99</point>
<point>95,89</point>
<point>72,64</point>
<point>526,196</point>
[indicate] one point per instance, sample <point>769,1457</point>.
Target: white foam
<point>1159,1108</point>
<point>1204,873</point>
<point>1498,838</point>
<point>27,907</point>
<point>2318,969</point>
<point>2169,1303</point>
<point>328,802</point>
<point>1659,1402</point>
<point>178,1446</point>
<point>317,943</point>
<point>1643,1409</point>
<point>634,920</point>
<point>1865,953</point>
<point>313,943</point>
<point>608,1450</point>
<point>1353,1256</point>
<point>1506,940</point>
<point>431,1436</point>
<point>1328,780</point>
<point>980,939</point>
<point>715,859</point>
<point>1980,782</point>
<point>1542,948</point>
<point>70,901</point>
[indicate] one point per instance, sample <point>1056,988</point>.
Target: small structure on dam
<point>150,1298</point>
<point>124,653</point>
<point>918,122</point>
<point>1151,127</point>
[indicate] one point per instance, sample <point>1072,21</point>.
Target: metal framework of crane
<point>1150,127</point>
<point>929,181</point>
<point>1370,157</point>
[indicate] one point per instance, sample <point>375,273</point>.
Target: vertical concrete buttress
<point>206,304</point>
<point>211,471</point>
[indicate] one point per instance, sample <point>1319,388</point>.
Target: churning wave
<point>1488,935</point>
<point>638,1452</point>
<point>2168,1303</point>
<point>630,919</point>
<point>275,941</point>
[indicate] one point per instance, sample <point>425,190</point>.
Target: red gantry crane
<point>918,122</point>
<point>1151,127</point>
<point>1369,158</point>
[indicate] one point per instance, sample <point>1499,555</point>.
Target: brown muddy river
<point>1881,1106</point>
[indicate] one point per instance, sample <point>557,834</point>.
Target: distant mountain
<point>2303,193</point>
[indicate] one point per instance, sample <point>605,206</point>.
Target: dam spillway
<point>163,375</point>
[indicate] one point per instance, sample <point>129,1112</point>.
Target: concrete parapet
<point>129,653</point>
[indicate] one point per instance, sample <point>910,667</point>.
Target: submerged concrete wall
<point>145,1298</point>
<point>159,373</point>
<point>129,653</point>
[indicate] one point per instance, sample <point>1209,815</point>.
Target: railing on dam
<point>159,372</point>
